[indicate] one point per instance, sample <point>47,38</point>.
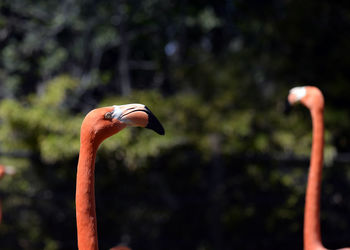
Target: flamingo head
<point>309,96</point>
<point>104,122</point>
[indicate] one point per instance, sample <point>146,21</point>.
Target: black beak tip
<point>287,108</point>
<point>154,123</point>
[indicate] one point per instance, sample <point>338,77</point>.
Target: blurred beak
<point>139,115</point>
<point>293,98</point>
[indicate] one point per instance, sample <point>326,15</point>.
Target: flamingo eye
<point>108,116</point>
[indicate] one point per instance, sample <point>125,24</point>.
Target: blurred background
<point>231,171</point>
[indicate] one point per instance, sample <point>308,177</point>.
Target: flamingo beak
<point>139,115</point>
<point>295,95</point>
<point>153,123</point>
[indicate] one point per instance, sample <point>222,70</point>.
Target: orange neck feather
<point>312,228</point>
<point>85,195</point>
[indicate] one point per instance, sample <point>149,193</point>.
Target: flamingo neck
<point>85,196</point>
<point>312,227</point>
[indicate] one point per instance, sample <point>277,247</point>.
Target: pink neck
<point>85,196</point>
<point>312,228</point>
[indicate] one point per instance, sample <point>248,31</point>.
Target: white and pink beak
<point>137,115</point>
<point>296,94</point>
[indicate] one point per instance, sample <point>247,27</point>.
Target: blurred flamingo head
<point>309,96</point>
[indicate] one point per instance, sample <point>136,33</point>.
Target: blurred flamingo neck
<point>85,195</point>
<point>312,228</point>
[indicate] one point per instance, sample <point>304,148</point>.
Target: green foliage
<point>41,124</point>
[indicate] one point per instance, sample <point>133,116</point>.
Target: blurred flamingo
<point>97,126</point>
<point>312,98</point>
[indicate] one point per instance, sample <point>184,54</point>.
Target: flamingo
<point>98,125</point>
<point>3,171</point>
<point>312,98</point>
